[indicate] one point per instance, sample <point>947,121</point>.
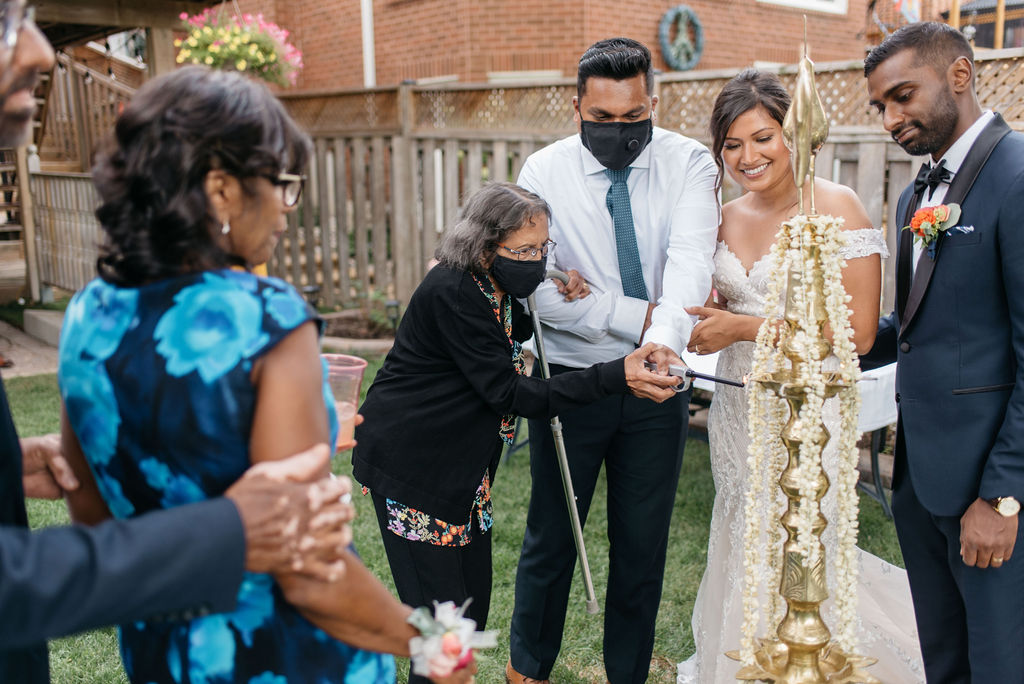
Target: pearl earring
<point>226,228</point>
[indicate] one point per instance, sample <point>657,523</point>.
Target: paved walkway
<point>30,356</point>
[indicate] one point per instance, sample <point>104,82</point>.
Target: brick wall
<point>887,15</point>
<point>469,38</point>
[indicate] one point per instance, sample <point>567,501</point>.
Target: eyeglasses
<point>291,185</point>
<point>14,16</point>
<point>531,253</point>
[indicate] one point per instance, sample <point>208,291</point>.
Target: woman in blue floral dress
<point>178,370</point>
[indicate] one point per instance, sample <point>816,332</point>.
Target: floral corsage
<point>927,223</point>
<point>446,640</point>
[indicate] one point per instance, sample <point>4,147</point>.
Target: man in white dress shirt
<point>634,211</point>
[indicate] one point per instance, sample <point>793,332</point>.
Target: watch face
<point>1008,506</point>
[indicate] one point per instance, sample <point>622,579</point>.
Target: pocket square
<point>962,229</point>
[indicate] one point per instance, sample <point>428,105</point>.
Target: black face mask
<point>518,278</point>
<point>616,145</point>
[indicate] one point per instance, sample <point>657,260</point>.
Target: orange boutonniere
<point>926,224</point>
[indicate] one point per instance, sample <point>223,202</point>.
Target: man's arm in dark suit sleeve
<point>1004,471</point>
<point>883,352</point>
<point>63,580</point>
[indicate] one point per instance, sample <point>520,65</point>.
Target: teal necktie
<point>625,235</point>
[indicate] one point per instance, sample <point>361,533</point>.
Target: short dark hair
<point>748,89</point>
<point>935,44</point>
<point>616,58</point>
<point>151,173</point>
<point>490,214</point>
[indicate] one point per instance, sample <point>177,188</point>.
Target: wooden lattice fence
<point>392,166</point>
<point>686,97</point>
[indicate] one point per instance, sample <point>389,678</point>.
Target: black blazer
<point>434,409</point>
<point>63,580</point>
<point>958,335</point>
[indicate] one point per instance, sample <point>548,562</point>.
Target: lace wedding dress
<point>885,613</point>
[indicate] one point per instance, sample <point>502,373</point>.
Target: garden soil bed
<point>357,325</point>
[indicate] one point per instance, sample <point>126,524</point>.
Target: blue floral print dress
<point>156,382</point>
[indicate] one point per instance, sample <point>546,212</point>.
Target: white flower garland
<point>803,246</point>
<point>764,423</point>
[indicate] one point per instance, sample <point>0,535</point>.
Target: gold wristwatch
<point>1006,506</point>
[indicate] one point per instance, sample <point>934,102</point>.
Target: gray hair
<point>490,214</point>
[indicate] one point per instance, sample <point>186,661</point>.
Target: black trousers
<point>638,443</point>
<point>970,621</point>
<point>425,573</point>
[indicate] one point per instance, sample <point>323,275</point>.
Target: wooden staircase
<point>12,244</point>
<point>10,198</point>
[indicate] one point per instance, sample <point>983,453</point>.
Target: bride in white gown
<point>746,125</point>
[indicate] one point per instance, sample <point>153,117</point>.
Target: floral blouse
<point>415,525</point>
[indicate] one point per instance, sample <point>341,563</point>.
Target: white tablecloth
<point>877,390</point>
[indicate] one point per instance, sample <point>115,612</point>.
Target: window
<point>830,6</point>
<point>1013,34</point>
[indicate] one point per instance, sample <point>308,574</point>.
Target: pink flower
<point>450,644</point>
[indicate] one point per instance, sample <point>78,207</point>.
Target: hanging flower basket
<point>243,42</point>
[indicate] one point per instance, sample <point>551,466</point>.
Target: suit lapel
<point>905,256</point>
<point>958,189</point>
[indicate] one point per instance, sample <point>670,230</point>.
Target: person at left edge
<point>447,397</point>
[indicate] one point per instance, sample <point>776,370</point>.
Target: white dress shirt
<point>955,156</point>
<point>675,214</point>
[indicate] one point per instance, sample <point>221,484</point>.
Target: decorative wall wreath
<point>681,52</point>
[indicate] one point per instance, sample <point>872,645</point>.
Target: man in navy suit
<point>183,561</point>
<point>958,335</point>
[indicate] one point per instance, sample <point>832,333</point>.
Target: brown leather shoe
<point>513,677</point>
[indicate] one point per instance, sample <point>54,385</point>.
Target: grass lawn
<point>92,658</point>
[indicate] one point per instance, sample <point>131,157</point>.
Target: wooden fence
<point>66,230</point>
<point>392,165</point>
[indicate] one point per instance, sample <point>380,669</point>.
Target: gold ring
<point>997,560</point>
<point>697,348</point>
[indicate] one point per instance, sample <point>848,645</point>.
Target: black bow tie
<point>930,176</point>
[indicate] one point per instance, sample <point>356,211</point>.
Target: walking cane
<point>563,462</point>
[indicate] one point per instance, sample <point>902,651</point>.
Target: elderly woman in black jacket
<point>448,394</point>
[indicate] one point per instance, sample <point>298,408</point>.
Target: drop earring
<point>226,228</point>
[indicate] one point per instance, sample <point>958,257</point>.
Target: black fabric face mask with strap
<point>518,278</point>
<point>616,144</point>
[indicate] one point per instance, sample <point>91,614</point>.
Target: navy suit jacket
<point>63,580</point>
<point>958,336</point>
